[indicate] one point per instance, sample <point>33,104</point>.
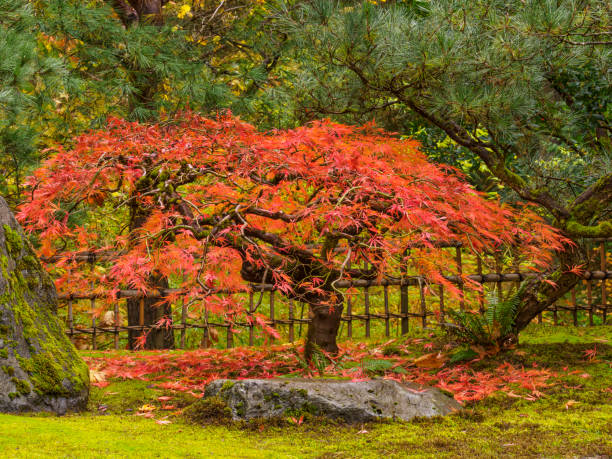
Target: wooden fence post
<point>386,300</point>
<point>604,293</point>
<point>481,299</point>
<point>574,305</point>
<point>183,323</point>
<point>272,319</point>
<point>366,299</point>
<point>301,317</point>
<point>590,300</point>
<point>441,294</point>
<point>141,309</point>
<point>93,323</point>
<point>423,304</point>
<point>117,323</point>
<point>459,264</point>
<point>349,310</point>
<point>499,284</point>
<point>70,319</point>
<point>251,326</point>
<point>291,319</point>
<point>404,297</point>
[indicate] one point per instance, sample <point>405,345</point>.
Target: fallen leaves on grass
<point>191,371</point>
<point>97,378</point>
<point>570,403</point>
<point>433,360</point>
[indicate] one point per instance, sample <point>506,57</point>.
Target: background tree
<point>522,86</point>
<point>27,88</point>
<point>110,59</point>
<point>117,58</point>
<point>220,203</point>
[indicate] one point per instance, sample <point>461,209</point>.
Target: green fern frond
<point>486,329</point>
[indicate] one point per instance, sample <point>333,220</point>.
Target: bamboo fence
<point>590,296</point>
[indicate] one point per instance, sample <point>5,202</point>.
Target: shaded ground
<point>569,414</point>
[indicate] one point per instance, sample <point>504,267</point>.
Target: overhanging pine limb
<point>602,230</point>
<point>586,207</point>
<point>495,164</point>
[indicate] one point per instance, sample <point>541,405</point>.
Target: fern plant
<point>488,329</point>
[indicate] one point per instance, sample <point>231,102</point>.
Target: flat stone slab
<point>352,401</point>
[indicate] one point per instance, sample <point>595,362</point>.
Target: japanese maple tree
<point>214,203</point>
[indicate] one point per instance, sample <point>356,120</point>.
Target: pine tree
<point>66,65</point>
<point>27,87</point>
<point>522,86</point>
<point>138,71</point>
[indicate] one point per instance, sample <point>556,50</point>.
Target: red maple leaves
<point>190,371</point>
<point>195,200</point>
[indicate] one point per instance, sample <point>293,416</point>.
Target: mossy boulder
<point>40,369</point>
<point>351,401</point>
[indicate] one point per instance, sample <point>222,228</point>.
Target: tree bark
<point>323,329</point>
<point>157,338</point>
<point>134,11</point>
<point>539,295</point>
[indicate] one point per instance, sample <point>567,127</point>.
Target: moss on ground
<point>499,426</point>
<point>121,397</point>
<point>211,410</point>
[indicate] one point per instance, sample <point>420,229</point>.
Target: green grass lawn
<point>495,427</point>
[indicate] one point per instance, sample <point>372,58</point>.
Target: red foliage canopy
<point>209,203</point>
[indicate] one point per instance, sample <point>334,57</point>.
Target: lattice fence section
<point>386,308</point>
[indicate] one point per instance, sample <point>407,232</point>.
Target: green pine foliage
<point>67,65</point>
<point>528,81</point>
<point>27,83</point>
<point>137,72</point>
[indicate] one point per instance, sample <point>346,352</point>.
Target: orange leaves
<point>195,198</point>
<point>190,371</point>
<point>97,378</point>
<point>570,403</point>
<point>431,361</point>
<point>590,354</point>
<point>261,321</point>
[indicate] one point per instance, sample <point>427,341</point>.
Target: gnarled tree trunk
<point>157,338</point>
<point>540,295</point>
<point>323,328</point>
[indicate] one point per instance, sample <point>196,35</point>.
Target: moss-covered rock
<point>41,369</point>
<point>351,401</point>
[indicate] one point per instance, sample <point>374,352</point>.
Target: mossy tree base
<point>39,367</point>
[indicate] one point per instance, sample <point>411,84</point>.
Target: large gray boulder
<point>40,369</point>
<point>357,401</point>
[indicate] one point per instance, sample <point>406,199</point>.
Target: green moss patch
<point>211,410</point>
<point>498,426</point>
<point>13,241</point>
<point>39,344</point>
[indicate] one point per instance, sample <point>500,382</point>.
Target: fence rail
<point>379,304</point>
